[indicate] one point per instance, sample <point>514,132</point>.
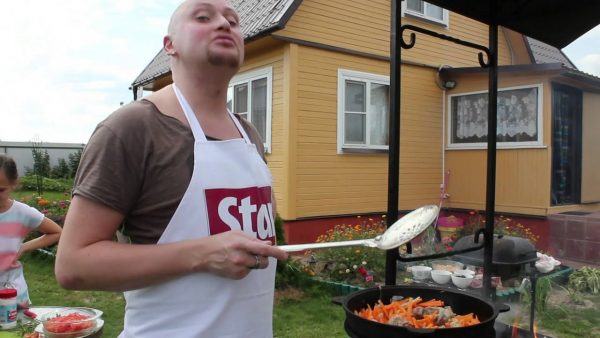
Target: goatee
<point>220,60</point>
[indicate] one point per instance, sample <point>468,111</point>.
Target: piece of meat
<point>399,321</point>
<point>454,323</point>
<point>418,312</point>
<point>444,315</point>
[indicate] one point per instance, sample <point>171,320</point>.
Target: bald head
<point>176,18</point>
<point>177,15</point>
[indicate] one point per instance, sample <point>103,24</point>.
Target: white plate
<point>41,310</point>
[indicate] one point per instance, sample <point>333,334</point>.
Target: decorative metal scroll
<point>484,63</point>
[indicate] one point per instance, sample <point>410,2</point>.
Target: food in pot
<point>447,265</point>
<point>415,313</point>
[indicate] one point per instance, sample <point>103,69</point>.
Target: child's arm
<point>51,233</point>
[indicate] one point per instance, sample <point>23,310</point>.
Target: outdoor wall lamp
<point>449,84</point>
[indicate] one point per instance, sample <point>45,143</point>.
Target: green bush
<point>50,184</point>
<point>289,273</point>
<point>542,292</point>
<point>585,279</point>
<point>279,230</point>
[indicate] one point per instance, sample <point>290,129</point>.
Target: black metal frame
<point>493,12</point>
<point>396,41</point>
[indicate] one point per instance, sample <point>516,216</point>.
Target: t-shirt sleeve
<point>34,217</point>
<point>110,171</point>
<point>254,136</point>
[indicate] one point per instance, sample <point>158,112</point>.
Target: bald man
<point>185,183</point>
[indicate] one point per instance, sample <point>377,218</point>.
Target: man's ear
<point>168,45</point>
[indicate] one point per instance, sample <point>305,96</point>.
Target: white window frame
<point>247,78</point>
<point>407,12</point>
<point>368,78</point>
<point>539,143</point>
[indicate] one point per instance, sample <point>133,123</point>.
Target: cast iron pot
<point>461,303</point>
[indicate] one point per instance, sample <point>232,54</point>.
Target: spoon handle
<point>311,246</point>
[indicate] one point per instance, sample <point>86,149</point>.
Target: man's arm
<point>89,259</point>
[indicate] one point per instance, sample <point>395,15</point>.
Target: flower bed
<point>53,209</point>
<point>360,266</point>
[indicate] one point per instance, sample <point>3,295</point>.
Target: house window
<point>249,95</point>
<point>363,111</point>
<point>519,118</point>
<point>566,144</point>
<point>425,10</point>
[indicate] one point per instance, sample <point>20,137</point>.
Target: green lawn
<point>573,323</point>
<point>313,316</point>
<point>49,195</point>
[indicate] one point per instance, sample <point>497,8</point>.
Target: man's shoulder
<point>129,113</point>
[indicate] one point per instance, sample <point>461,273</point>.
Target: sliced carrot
<point>432,303</point>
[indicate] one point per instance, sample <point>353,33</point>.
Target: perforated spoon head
<point>407,228</point>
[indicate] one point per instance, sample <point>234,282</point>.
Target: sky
<point>69,63</point>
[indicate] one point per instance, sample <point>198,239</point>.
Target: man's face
<point>208,31</point>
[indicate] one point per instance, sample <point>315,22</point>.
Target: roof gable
<point>544,53</point>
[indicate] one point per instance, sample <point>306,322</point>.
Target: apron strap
<point>195,125</point>
<point>190,116</point>
<point>239,126</point>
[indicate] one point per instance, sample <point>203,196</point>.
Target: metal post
<point>534,278</point>
<point>394,136</point>
<point>491,160</point>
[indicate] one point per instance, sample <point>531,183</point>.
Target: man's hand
<point>233,254</point>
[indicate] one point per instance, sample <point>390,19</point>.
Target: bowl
<point>447,265</point>
<point>462,281</point>
<point>441,276</point>
<point>464,272</point>
<point>70,322</point>
<point>420,272</point>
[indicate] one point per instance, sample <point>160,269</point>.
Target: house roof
<point>257,18</point>
<point>557,67</point>
<point>541,52</point>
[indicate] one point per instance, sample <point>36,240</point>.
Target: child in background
<point>16,221</point>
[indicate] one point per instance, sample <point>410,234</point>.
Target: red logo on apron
<point>247,209</point>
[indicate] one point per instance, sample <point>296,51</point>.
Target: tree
<point>74,159</point>
<point>38,158</point>
<point>41,161</point>
<point>61,170</point>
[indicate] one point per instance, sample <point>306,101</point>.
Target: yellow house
<point>315,83</point>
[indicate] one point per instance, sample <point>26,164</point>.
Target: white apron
<point>230,189</point>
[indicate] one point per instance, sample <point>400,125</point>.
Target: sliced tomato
<point>73,322</point>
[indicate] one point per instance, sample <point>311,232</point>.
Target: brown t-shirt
<point>139,162</point>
